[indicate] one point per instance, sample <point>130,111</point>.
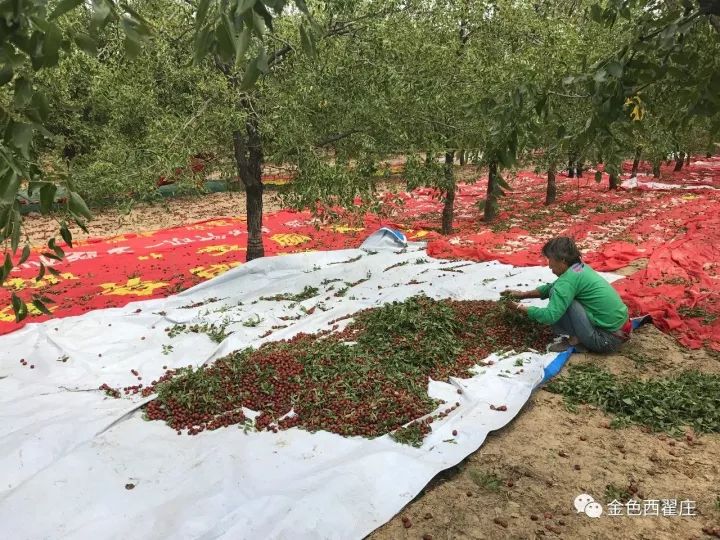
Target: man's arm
<point>563,295</point>
<point>519,295</point>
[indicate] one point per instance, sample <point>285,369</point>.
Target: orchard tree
<point>33,38</point>
<point>671,44</point>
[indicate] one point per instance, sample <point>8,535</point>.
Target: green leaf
<point>63,7</point>
<point>9,185</point>
<point>80,223</point>
<point>77,206</point>
<point>203,40</point>
<point>596,13</point>
<point>40,104</point>
<point>134,37</point>
<point>41,273</point>
<point>6,74</point>
<point>502,183</point>
<point>600,76</point>
<point>19,308</point>
<point>262,61</point>
<point>242,46</point>
<point>86,43</point>
<point>259,8</point>
<point>243,6</point>
<point>51,47</point>
<point>302,6</point>
<point>16,228</point>
<point>21,138</point>
<point>6,267</point>
<point>47,197</point>
<point>66,234</point>
<point>252,72</point>
<point>307,43</point>
<point>201,13</point>
<point>41,307</point>
<point>52,256</point>
<point>57,249</point>
<point>225,43</point>
<point>25,254</point>
<point>23,92</point>
<point>53,271</point>
<point>615,69</point>
<point>258,24</point>
<point>101,15</point>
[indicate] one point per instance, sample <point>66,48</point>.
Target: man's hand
<point>512,294</point>
<point>520,307</point>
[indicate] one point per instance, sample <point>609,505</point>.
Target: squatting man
<point>583,305</point>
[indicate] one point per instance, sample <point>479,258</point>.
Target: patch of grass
<point>500,226</point>
<point>572,208</point>
<point>487,481</point>
<point>662,404</point>
<point>639,359</point>
<point>614,493</point>
<point>697,313</point>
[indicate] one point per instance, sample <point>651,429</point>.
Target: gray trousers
<point>575,322</point>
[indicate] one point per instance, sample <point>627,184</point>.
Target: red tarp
<point>675,230</point>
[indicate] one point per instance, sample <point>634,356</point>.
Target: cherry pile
<point>368,380</point>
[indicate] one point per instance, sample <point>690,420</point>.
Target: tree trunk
<point>463,158</point>
<point>656,169</point>
<point>491,196</point>
<point>636,162</point>
<point>571,168</point>
<point>579,168</point>
<point>551,192</point>
<point>428,158</point>
<point>708,155</point>
<point>449,205</point>
<point>679,162</point>
<point>614,184</point>
<point>687,158</point>
<point>249,159</point>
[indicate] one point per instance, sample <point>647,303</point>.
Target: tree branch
<point>336,137</point>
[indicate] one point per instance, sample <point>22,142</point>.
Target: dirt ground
<point>536,481</point>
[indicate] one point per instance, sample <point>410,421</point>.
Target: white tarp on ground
<point>635,183</point>
<point>67,451</point>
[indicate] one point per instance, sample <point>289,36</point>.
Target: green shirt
<point>601,301</point>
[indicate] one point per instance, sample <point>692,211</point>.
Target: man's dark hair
<point>563,249</point>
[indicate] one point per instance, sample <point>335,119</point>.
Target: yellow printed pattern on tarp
<point>134,286</point>
<point>289,239</point>
<point>213,270</point>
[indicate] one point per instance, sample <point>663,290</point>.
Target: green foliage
<point>68,90</point>
<point>614,493</point>
<point>663,404</point>
<point>487,481</point>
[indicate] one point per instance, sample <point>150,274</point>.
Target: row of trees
<point>102,97</point>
